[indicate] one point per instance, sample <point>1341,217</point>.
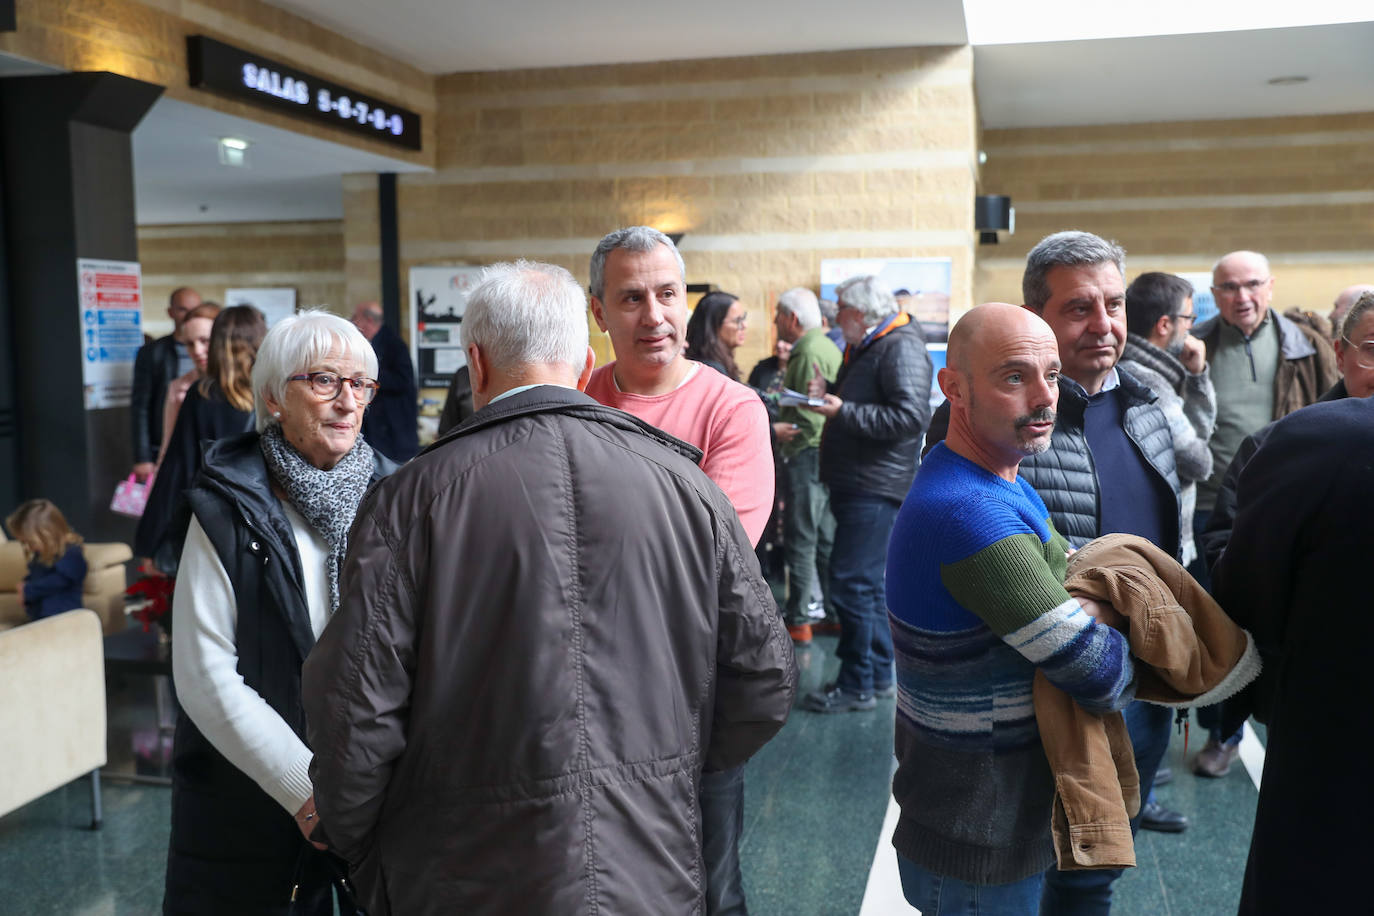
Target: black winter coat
<point>1292,575</point>
<point>551,621</point>
<point>233,849</point>
<point>154,368</point>
<point>873,445</point>
<point>1064,474</point>
<point>391,423</point>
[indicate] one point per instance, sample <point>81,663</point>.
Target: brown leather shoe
<point>1215,759</point>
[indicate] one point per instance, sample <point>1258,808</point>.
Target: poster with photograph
<point>921,285</point>
<point>438,298</point>
<point>275,303</point>
<point>110,295</point>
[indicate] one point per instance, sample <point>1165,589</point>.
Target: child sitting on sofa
<point>57,567</point>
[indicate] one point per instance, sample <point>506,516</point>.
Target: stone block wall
<point>213,257</point>
<point>767,164</point>
<point>1180,195</point>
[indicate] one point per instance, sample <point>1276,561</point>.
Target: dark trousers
<point>722,822</point>
<point>1089,893</point>
<point>858,566</point>
<point>808,531</point>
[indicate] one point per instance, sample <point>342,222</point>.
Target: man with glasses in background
<point>1263,367</point>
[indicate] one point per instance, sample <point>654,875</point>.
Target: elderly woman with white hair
<point>258,581</point>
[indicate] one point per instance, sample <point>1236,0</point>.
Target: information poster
<point>274,303</point>
<point>1204,303</point>
<point>921,286</point>
<point>439,297</point>
<point>111,303</point>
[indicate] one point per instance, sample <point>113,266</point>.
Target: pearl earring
<point>276,414</point>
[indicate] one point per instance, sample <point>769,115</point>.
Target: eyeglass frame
<point>1191,319</point>
<point>1232,288</point>
<point>357,384</point>
<point>740,321</point>
<point>1360,351</point>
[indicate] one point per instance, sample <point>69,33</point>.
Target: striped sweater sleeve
<point>1010,586</point>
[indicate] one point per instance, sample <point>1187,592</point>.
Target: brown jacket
<point>551,620</point>
<point>1307,362</point>
<point>1187,653</point>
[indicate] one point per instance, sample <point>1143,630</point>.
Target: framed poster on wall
<point>438,298</point>
<point>274,303</point>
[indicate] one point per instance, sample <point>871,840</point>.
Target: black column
<point>390,250</point>
<point>69,193</point>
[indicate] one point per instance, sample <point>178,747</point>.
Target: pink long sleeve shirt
<point>723,418</point>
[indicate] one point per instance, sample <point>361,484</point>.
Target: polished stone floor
<point>815,801</point>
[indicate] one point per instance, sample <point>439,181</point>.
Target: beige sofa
<point>52,707</point>
<point>102,592</point>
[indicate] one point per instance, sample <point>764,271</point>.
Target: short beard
<point>1027,447</point>
<point>1175,347</point>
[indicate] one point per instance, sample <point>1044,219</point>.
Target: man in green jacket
<point>808,530</point>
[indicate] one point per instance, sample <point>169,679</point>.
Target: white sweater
<point>231,715</point>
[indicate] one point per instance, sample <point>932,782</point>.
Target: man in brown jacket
<point>551,620</point>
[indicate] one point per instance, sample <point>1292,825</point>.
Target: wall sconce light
<point>233,151</point>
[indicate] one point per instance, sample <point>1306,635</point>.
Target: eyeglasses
<point>1188,318</point>
<point>327,386</point>
<point>1231,288</point>
<point>1364,352</point>
<point>741,321</point>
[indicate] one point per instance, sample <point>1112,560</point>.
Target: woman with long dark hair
<point>219,405</point>
<point>715,331</point>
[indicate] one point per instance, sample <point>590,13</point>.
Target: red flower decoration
<point>155,593</point>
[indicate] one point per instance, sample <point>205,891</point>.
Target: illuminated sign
<point>254,78</point>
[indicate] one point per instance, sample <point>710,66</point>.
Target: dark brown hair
<point>703,332</point>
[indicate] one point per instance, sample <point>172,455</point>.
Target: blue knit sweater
<point>976,600</point>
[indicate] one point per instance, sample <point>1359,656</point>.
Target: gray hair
<point>868,295</point>
<point>801,302</point>
<point>829,310</point>
<point>1066,249</point>
<point>1357,311</point>
<point>527,314</point>
<point>296,343</point>
<point>632,238</point>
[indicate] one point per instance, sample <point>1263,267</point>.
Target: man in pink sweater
<point>639,297</point>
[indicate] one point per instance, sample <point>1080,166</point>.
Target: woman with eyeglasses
<point>715,331</point>
<point>258,581</point>
<point>219,404</point>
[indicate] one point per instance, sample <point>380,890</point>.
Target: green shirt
<point>810,350</point>
<point>1243,376</point>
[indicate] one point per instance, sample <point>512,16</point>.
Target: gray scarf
<point>328,500</point>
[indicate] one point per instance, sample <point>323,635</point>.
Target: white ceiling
<point>1176,77</point>
<point>441,36</point>
<point>178,177</point>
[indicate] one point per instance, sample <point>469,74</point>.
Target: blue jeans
<point>1081,893</point>
<point>858,564</point>
<point>722,822</point>
<point>938,895</point>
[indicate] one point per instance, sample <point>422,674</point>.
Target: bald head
<point>1002,382</point>
<point>985,328</point>
<point>367,317</point>
<point>1243,287</point>
<point>1345,300</point>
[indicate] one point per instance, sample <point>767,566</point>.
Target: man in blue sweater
<point>977,604</point>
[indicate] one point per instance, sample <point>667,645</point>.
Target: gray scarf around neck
<point>328,500</point>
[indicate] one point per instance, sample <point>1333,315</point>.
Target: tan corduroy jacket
<point>1187,653</point>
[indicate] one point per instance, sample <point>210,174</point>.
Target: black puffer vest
<point>230,841</point>
<point>1065,476</point>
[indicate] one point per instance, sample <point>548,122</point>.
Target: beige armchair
<point>52,707</point>
<point>102,592</point>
